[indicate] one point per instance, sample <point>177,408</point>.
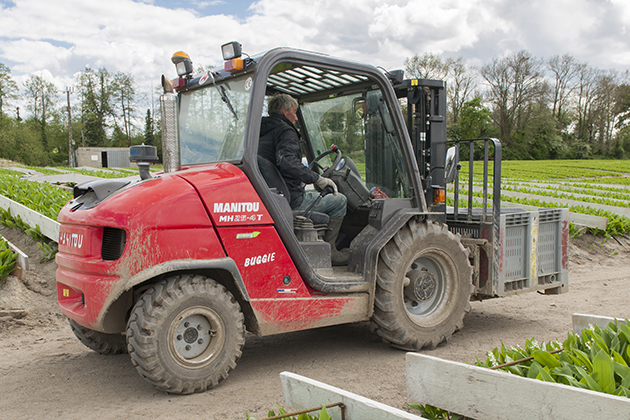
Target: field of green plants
<point>45,198</point>
<point>592,187</point>
<point>42,197</point>
<point>597,360</point>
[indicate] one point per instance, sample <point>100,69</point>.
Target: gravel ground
<point>45,372</point>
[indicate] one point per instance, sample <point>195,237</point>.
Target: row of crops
<point>596,359</point>
<point>591,187</point>
<point>42,197</point>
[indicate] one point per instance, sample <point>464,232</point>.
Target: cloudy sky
<point>58,38</point>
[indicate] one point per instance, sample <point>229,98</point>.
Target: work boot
<point>337,257</point>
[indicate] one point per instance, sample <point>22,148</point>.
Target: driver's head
<point>285,105</point>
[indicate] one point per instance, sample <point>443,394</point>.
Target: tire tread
<point>386,320</point>
<point>144,323</point>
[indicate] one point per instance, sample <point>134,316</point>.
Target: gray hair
<point>281,101</point>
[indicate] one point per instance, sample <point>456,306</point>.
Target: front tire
<point>185,334</point>
<point>423,287</point>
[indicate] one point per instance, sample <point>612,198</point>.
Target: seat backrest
<point>273,178</point>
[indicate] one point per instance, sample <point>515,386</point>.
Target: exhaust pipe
<point>170,128</point>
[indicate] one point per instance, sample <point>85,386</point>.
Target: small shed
<point>103,157</point>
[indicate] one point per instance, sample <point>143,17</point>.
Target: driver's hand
<point>323,182</point>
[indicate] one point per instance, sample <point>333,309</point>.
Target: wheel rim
<point>426,287</point>
<point>196,337</point>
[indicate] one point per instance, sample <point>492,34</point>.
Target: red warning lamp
<point>232,52</point>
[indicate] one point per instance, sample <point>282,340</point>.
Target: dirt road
<point>45,373</point>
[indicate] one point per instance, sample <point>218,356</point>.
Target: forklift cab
<point>351,131</point>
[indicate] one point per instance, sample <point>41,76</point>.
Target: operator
<point>280,144</point>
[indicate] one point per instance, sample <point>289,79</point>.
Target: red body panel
<point>229,196</point>
<point>284,315</point>
<point>263,262</point>
<point>163,219</point>
<point>193,214</point>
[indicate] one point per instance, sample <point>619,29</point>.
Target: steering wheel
<point>326,171</point>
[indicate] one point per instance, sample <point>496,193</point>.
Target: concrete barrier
<point>48,227</point>
<point>302,393</point>
<point>582,322</point>
<point>481,393</point>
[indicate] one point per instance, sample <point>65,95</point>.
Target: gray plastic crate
<point>517,253</point>
<point>532,252</point>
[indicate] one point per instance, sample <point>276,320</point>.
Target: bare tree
<point>587,77</point>
<point>41,97</point>
<point>564,69</point>
<point>428,66</point>
<point>8,87</point>
<point>514,82</point>
<point>605,106</point>
<point>462,82</point>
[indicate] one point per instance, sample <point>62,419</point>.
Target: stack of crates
<point>527,252</point>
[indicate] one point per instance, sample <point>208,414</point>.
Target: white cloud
<point>36,55</point>
<point>64,36</point>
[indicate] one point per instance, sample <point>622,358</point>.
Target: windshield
<point>360,124</point>
<point>212,122</point>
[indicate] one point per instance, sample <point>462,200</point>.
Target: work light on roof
<point>231,50</point>
<point>183,63</point>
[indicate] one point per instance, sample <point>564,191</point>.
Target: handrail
<point>496,187</point>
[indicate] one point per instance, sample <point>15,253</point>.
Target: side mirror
<point>451,165</point>
<point>358,108</point>
<point>385,118</point>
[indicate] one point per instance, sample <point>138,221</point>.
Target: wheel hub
<point>422,286</point>
<point>192,336</point>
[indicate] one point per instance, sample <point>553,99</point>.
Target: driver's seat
<point>276,183</point>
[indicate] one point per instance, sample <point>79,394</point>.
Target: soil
<point>45,372</point>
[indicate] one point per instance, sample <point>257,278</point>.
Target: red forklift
<point>175,267</point>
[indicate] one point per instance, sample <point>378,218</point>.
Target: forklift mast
<point>426,123</point>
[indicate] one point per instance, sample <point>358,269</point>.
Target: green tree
<point>124,95</point>
<point>57,132</point>
<point>42,98</point>
<point>21,142</point>
<point>540,137</point>
<point>8,87</point>
<point>474,120</point>
<point>149,133</point>
<point>96,93</point>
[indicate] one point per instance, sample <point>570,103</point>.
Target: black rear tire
<point>99,342</point>
<point>423,287</point>
<point>185,334</point>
